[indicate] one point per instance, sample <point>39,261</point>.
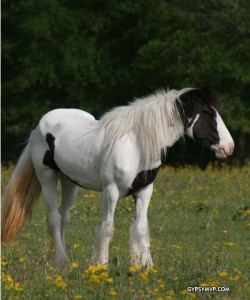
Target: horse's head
<point>203,123</point>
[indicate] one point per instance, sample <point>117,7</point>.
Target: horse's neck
<point>175,132</point>
<point>154,121</point>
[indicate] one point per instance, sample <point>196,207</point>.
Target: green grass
<point>200,235</point>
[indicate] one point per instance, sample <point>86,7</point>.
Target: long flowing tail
<point>23,188</point>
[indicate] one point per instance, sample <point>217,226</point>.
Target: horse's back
<point>58,119</point>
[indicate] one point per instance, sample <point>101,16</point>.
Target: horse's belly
<point>82,168</point>
<point>78,156</point>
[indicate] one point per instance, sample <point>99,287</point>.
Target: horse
<point>119,155</point>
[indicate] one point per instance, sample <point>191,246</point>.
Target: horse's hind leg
<point>69,192</point>
<point>49,180</point>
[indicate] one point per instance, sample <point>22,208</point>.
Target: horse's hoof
<point>61,263</point>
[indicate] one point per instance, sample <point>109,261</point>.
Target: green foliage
<point>97,54</point>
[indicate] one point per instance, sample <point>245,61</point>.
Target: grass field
<point>200,236</point>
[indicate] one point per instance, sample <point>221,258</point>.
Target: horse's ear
<point>205,88</point>
<point>208,95</point>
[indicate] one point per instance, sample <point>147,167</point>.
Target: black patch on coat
<point>205,129</point>
<point>143,179</point>
<point>48,159</point>
<point>200,101</point>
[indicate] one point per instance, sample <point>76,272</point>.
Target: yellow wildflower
<point>11,285</point>
<point>223,274</point>
<point>97,274</point>
<point>6,277</point>
<point>134,268</point>
<point>162,286</point>
<point>235,277</point>
<point>78,297</point>
<point>176,246</point>
<point>215,211</point>
<point>152,270</point>
<point>76,245</point>
<point>215,247</point>
<point>60,282</point>
<point>144,276</point>
<point>112,292</point>
<point>27,235</point>
<point>18,287</point>
<point>229,244</point>
<point>22,259</point>
<point>74,265</point>
<point>91,195</point>
<point>4,263</point>
<point>209,283</point>
<point>186,293</point>
<point>171,293</point>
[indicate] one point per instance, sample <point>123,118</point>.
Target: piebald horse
<point>118,155</point>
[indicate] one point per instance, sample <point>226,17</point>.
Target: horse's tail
<point>23,188</point>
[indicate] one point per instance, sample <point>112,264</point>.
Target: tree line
<point>95,55</point>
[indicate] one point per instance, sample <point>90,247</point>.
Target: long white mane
<point>154,120</point>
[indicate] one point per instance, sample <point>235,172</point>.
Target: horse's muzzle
<point>223,151</point>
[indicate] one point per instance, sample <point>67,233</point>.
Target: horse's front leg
<point>105,231</point>
<point>139,234</point>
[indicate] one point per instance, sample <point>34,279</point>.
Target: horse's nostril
<point>227,150</point>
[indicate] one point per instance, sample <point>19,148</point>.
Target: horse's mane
<point>155,120</point>
<point>152,119</point>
